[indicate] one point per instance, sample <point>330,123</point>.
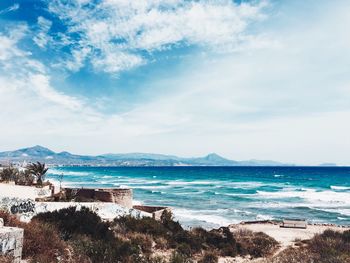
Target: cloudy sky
<point>245,79</point>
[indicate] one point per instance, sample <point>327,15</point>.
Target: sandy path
<point>285,236</point>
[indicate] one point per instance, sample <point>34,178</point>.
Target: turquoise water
<point>215,196</point>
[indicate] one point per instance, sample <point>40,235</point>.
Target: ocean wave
<point>335,187</point>
<point>310,195</point>
<point>152,187</point>
<point>278,175</point>
<point>60,172</point>
<point>263,217</point>
<point>158,192</point>
<point>191,182</point>
<point>200,215</point>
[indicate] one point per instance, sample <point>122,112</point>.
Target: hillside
<point>42,154</point>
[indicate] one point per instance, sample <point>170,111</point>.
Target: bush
<point>256,244</point>
<point>42,243</point>
<point>328,247</point>
<point>6,259</point>
<point>177,257</point>
<point>9,174</point>
<point>71,235</point>
<point>88,235</point>
<point>143,241</point>
<point>144,225</point>
<point>209,257</point>
<point>41,240</point>
<point>71,221</point>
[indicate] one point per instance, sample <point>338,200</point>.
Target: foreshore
<point>25,198</point>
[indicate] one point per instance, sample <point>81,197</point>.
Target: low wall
<point>119,196</point>
<point>25,209</point>
<point>22,191</point>
<point>11,242</point>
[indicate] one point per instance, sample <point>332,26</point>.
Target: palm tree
<point>39,171</point>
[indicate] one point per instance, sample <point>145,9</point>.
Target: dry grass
<point>328,247</point>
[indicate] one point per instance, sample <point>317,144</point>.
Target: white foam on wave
<point>335,187</point>
<point>310,195</point>
<point>158,192</point>
<point>52,171</point>
<point>151,187</point>
<point>342,211</point>
<point>201,215</point>
<point>278,175</point>
<point>200,182</point>
<point>263,217</point>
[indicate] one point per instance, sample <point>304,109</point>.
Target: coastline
<point>223,195</point>
<point>286,237</point>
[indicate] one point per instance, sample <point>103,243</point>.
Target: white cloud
<point>8,48</point>
<point>42,38</point>
<point>118,32</point>
<point>11,8</point>
<point>41,85</point>
<point>26,73</point>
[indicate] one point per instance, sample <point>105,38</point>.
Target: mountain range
<point>42,154</point>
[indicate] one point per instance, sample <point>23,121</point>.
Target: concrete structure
<point>155,212</point>
<point>22,191</point>
<point>25,209</point>
<point>11,242</point>
<point>119,196</point>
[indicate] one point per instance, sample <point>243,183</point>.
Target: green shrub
<point>256,244</point>
<point>71,221</point>
<point>142,241</point>
<point>144,225</point>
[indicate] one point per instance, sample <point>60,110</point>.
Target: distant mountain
<point>328,164</point>
<point>42,154</point>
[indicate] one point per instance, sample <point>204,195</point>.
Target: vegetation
<point>69,235</point>
<point>38,170</point>
<point>9,174</point>
<point>33,172</point>
<point>328,247</point>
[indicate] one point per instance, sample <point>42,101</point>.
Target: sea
<point>217,196</point>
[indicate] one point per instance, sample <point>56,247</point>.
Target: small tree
<point>39,171</point>
<point>25,178</point>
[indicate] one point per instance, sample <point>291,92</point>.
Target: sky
<point>262,79</point>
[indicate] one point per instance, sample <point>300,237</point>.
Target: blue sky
<point>262,79</point>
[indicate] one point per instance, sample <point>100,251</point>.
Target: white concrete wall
<point>21,191</point>
<point>25,209</point>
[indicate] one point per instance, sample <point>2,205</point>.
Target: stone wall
<point>119,196</point>
<point>11,242</point>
